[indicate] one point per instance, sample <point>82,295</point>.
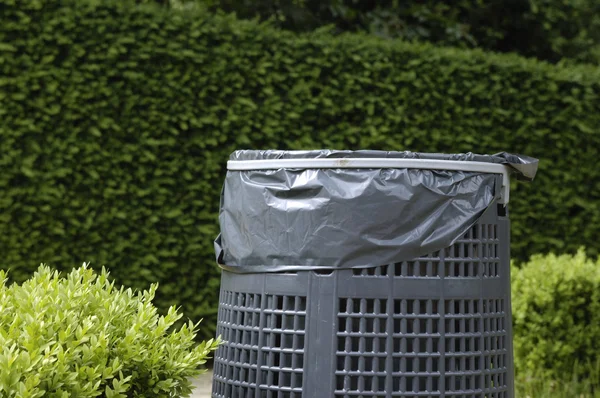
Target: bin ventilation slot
<point>468,334</point>
<point>361,353</point>
<point>475,255</point>
<point>263,346</point>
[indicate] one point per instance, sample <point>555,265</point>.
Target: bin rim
<point>379,163</point>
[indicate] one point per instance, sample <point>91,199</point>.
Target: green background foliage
<point>556,312</point>
<point>80,336</point>
<point>551,30</point>
<point>116,120</point>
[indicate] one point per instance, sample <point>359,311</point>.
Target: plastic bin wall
<point>438,326</point>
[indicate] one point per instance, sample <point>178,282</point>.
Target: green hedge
<point>551,30</point>
<point>116,121</point>
<point>556,312</point>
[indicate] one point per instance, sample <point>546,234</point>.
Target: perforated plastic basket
<point>437,326</point>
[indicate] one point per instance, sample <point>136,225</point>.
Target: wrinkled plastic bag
<point>307,219</point>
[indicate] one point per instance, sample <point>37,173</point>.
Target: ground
<point>203,386</point>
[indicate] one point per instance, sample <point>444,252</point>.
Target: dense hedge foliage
<point>556,312</point>
<point>116,121</point>
<point>80,336</point>
<point>550,30</point>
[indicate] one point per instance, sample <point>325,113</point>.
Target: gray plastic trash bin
<point>365,274</point>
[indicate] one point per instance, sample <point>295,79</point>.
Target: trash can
<point>365,274</point>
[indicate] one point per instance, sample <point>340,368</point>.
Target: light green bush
<point>80,336</point>
<point>556,315</point>
<point>570,385</point>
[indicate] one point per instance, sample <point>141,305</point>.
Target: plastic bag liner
<point>308,218</point>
